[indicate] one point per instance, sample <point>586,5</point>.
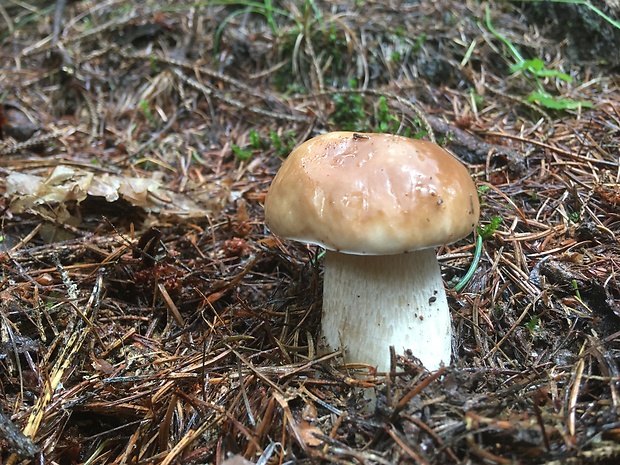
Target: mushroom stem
<point>372,302</point>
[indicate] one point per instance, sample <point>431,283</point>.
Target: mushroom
<point>378,204</point>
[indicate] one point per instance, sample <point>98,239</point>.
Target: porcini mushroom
<point>379,204</point>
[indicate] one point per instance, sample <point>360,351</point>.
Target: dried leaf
<point>66,184</point>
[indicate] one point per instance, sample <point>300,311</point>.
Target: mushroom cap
<point>371,194</point>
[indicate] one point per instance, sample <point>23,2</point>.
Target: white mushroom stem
<point>372,302</point>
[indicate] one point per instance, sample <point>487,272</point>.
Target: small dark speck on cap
<point>439,202</point>
<point>432,299</point>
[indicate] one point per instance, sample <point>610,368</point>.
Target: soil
<point>148,315</point>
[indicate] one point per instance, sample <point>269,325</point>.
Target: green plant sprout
<point>477,98</point>
<point>245,153</point>
<point>385,121</point>
<point>146,111</point>
<point>350,114</point>
<point>255,139</point>
<point>281,144</point>
<point>490,228</point>
<point>241,153</point>
<point>574,217</point>
<point>536,68</point>
<point>533,325</point>
<point>576,289</point>
<point>483,233</point>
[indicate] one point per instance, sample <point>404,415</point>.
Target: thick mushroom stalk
<point>371,302</point>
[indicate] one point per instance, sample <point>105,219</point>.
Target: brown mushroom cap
<point>372,194</point>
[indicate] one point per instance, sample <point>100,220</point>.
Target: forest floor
<point>147,315</point>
